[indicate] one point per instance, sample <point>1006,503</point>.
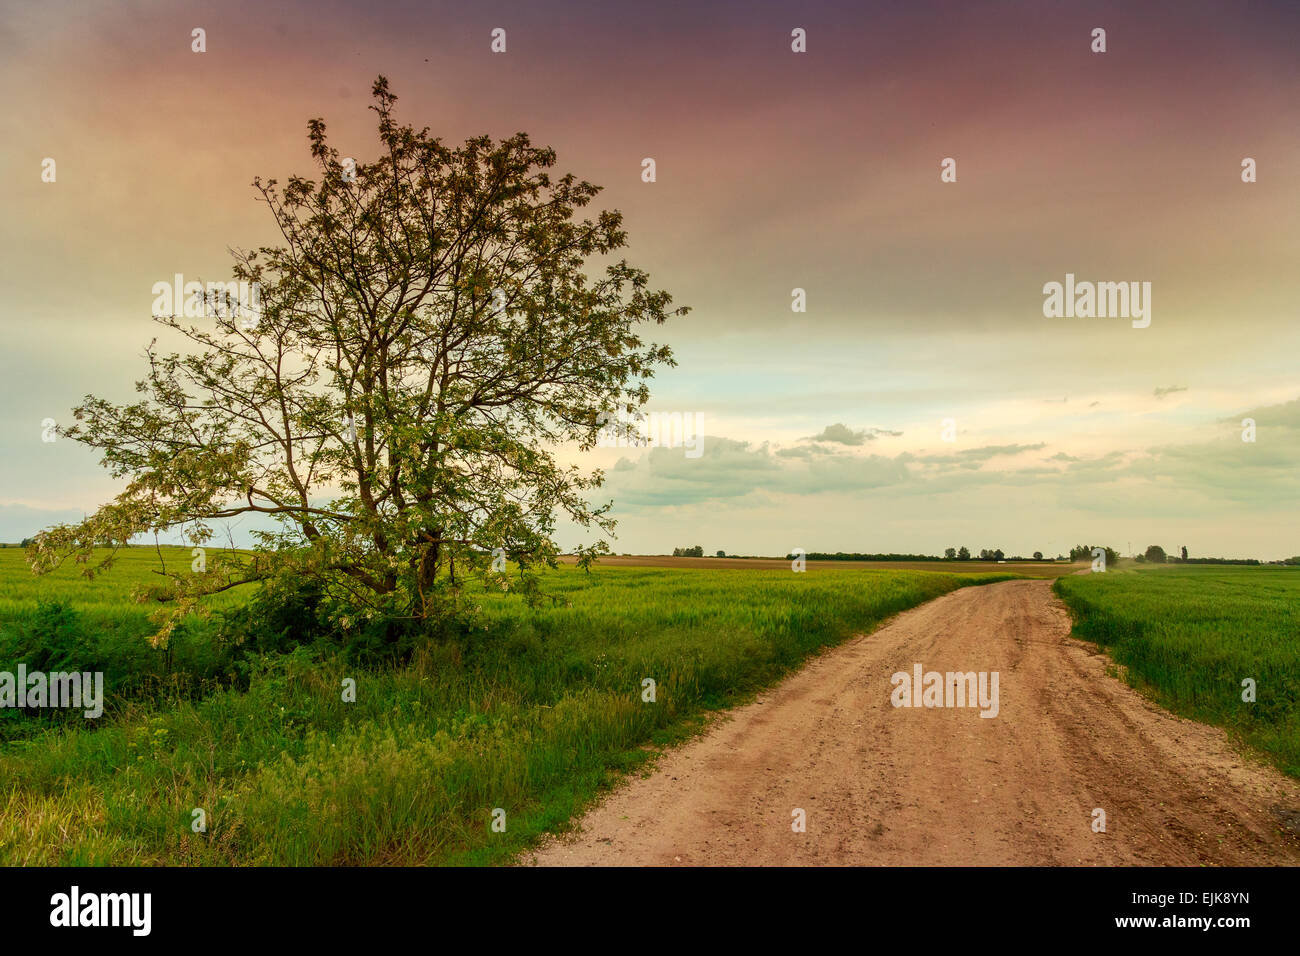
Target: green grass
<point>1189,635</point>
<point>534,712</point>
<point>64,620</point>
<point>108,593</point>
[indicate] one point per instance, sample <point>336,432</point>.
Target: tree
<point>1184,552</point>
<point>949,553</point>
<point>1155,554</point>
<point>722,554</point>
<point>1038,555</point>
<point>998,555</point>
<point>427,335</point>
<point>963,553</point>
<point>1083,552</point>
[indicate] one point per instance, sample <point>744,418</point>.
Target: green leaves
<point>428,338</point>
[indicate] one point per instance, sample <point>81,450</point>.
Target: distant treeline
<point>1226,561</point>
<point>854,556</point>
<point>1156,555</point>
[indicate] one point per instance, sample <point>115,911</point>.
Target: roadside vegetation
<point>527,709</point>
<point>1189,635</point>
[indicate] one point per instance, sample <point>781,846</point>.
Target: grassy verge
<point>1190,635</point>
<point>532,714</point>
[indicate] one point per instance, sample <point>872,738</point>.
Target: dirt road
<point>944,786</point>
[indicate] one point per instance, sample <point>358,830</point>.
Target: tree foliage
<point>1083,552</point>
<point>428,336</point>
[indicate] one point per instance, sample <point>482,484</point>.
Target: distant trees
<point>1155,554</point>
<point>722,554</point>
<point>1184,552</point>
<point>862,556</point>
<point>1083,552</point>
<point>949,554</point>
<point>695,552</point>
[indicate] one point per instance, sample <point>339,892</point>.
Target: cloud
<point>803,451</point>
<point>729,470</point>
<point>843,435</point>
<point>1286,415</point>
<point>1169,390</point>
<point>18,521</point>
<point>971,457</point>
<point>1222,470</point>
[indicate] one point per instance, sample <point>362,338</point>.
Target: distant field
<point>530,712</point>
<point>134,567</point>
<point>1189,635</point>
<point>1032,569</point>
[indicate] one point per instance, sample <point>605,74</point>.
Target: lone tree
<point>1155,554</point>
<point>428,335</point>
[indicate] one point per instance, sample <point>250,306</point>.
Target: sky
<point>776,170</point>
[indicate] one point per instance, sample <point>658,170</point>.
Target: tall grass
<point>531,713</point>
<point>65,621</point>
<point>1190,635</point>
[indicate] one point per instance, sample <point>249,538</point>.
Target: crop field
<point>522,718</point>
<point>1190,635</point>
<point>108,593</point>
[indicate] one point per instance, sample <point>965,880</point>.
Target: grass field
<point>531,713</point>
<point>1189,635</point>
<point>108,593</point>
